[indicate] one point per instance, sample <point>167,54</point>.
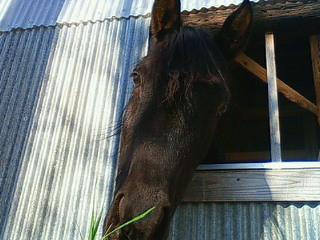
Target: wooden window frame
<point>275,180</point>
<point>278,181</point>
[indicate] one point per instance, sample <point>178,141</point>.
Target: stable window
<point>270,134</point>
<point>262,125</point>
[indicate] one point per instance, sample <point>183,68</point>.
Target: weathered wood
<point>287,91</point>
<point>315,55</point>
<point>254,185</point>
<point>274,123</point>
<point>269,15</point>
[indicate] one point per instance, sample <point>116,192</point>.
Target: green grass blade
<point>94,225</point>
<point>129,222</point>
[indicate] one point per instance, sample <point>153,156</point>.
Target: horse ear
<point>235,31</point>
<point>165,18</point>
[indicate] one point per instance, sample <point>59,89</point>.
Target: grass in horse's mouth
<point>95,222</point>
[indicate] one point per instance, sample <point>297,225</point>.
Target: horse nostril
<point>222,109</point>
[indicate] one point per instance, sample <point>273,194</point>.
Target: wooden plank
<point>254,185</point>
<point>286,90</point>
<point>274,122</point>
<point>303,15</point>
<point>315,56</point>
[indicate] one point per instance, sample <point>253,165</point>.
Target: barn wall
<point>63,91</point>
<point>247,221</point>
<point>64,81</point>
<point>29,13</point>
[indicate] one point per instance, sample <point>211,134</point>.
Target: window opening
<point>244,130</point>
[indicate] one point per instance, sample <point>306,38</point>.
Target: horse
<point>168,128</point>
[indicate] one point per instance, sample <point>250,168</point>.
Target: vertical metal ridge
<point>78,203</point>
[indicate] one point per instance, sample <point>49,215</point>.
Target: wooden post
<point>273,99</point>
<point>315,55</point>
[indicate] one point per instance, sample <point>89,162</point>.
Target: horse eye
<point>136,78</point>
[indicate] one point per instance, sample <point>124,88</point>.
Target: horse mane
<point>182,59</point>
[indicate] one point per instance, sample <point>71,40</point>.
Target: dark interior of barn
<point>243,130</point>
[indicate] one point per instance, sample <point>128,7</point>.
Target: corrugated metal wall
<point>246,221</point>
<point>63,91</point>
<point>64,81</point>
<point>29,13</point>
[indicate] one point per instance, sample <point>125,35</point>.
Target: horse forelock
<point>183,58</point>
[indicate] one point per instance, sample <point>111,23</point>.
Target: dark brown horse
<point>168,128</point>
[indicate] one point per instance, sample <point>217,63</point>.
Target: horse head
<point>181,89</point>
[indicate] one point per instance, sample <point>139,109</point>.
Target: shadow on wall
<point>24,61</point>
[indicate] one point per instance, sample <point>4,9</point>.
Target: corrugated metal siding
<point>246,221</point>
<point>62,89</point>
<point>29,13</point>
<point>62,92</point>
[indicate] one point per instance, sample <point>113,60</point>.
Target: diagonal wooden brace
<point>286,90</point>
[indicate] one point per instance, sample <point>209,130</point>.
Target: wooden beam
<point>267,16</point>
<point>254,185</point>
<point>274,122</point>
<point>287,91</point>
<point>315,55</point>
